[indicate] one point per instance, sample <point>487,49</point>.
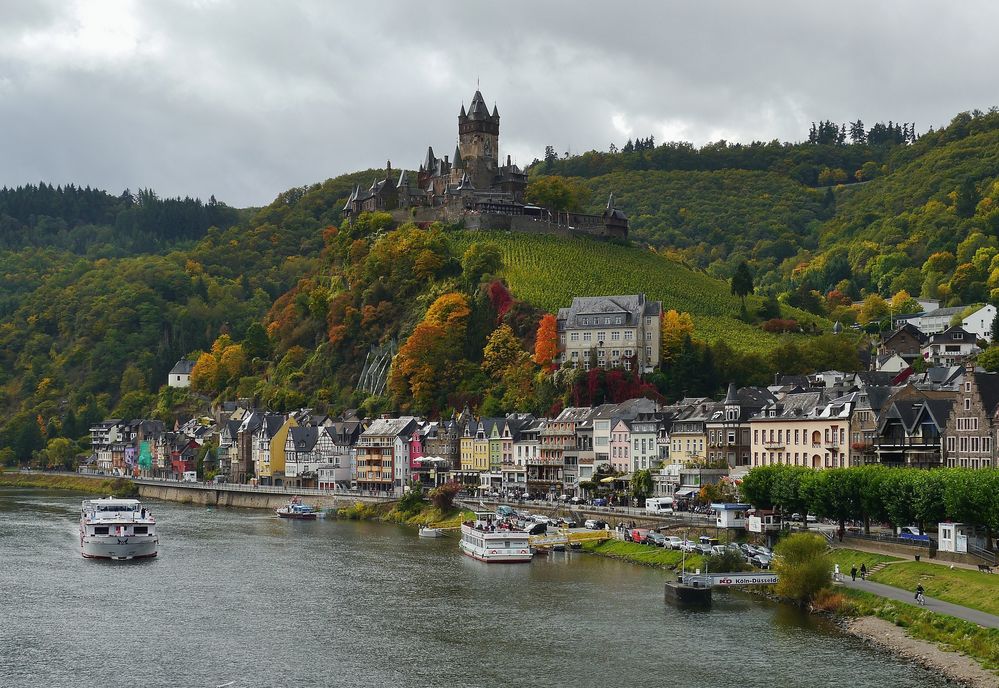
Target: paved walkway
<point>902,558</point>
<point>932,604</point>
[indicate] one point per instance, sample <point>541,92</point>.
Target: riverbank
<point>896,641</point>
<point>118,487</point>
<point>425,514</point>
<point>645,555</point>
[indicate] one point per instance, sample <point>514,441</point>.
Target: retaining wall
<point>218,495</point>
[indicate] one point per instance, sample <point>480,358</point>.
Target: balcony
<point>773,445</point>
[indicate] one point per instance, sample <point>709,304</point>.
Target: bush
<point>443,496</point>
<point>728,561</point>
<point>803,566</point>
<point>780,325</point>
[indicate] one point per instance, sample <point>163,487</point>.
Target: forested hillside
<point>853,212</point>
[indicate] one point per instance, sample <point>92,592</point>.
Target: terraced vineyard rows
<point>549,271</point>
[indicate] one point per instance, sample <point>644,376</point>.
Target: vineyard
<point>548,271</point>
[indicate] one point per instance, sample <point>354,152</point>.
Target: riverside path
<point>932,604</point>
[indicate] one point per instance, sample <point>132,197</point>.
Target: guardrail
<point>891,539</point>
<point>984,554</point>
<point>263,489</point>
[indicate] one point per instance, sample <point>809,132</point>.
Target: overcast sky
<point>245,99</point>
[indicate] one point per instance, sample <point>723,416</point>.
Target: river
<point>239,598</point>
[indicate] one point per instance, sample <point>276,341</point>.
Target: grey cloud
<point>245,99</point>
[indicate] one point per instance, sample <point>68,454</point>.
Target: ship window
<point>100,530</point>
<point>141,530</point>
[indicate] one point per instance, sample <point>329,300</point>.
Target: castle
<point>474,189</point>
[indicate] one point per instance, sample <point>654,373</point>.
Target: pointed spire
<point>495,112</point>
<point>428,164</point>
<point>610,201</point>
<point>462,110</point>
<point>403,180</point>
<point>458,163</point>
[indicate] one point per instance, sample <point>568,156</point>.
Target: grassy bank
<point>852,557</point>
<point>965,587</point>
<point>643,554</point>
<point>119,487</point>
<point>954,635</point>
<point>424,515</point>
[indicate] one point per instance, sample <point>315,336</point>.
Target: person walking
<point>863,572</point>
<point>836,573</point>
<point>853,573</point>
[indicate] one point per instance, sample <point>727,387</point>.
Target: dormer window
<point>959,335</point>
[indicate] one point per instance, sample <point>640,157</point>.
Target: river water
<point>240,598</point>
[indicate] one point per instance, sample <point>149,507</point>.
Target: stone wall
<point>219,495</point>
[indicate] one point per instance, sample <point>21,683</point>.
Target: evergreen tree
<point>967,198</point>
<point>742,282</point>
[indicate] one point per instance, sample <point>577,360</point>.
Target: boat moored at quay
<point>494,541</point>
<point>118,529</point>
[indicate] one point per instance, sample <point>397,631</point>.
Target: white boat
<point>117,529</point>
<point>428,532</point>
<point>494,541</point>
<point>297,511</point>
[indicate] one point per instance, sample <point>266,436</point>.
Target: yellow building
<point>803,430</point>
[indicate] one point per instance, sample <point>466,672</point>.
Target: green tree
<point>557,194</point>
<point>502,350</point>
<point>641,485</point>
<point>742,282</point>
<point>835,494</point>
<point>803,567</point>
<point>989,359</point>
<point>966,198</point>
<point>480,260</point>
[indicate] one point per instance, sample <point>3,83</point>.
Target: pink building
<point>416,448</point>
<point>620,447</point>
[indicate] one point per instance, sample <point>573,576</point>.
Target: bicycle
<point>920,599</point>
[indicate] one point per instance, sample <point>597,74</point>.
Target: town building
<point>910,428</point>
<point>610,332</point>
<point>950,347</point>
<point>383,455</point>
<point>972,425</point>
<point>802,430</point>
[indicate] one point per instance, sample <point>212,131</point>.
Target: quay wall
<point>220,496</point>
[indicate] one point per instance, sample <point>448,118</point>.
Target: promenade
<point>932,604</point>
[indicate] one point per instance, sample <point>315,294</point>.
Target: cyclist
<point>920,598</point>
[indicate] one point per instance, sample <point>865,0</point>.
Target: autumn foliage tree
<point>502,350</point>
<point>426,366</point>
<point>675,326</point>
<point>546,343</point>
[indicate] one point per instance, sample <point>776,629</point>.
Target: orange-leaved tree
<point>546,343</point>
<point>425,368</point>
<point>675,326</point>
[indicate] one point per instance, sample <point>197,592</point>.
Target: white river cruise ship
<point>117,529</point>
<point>492,540</point>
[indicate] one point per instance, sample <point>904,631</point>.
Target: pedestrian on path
<point>853,573</point>
<point>863,572</point>
<point>836,573</point>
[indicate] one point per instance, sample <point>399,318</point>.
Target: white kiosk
<point>729,515</point>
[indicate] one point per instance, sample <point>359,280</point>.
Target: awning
<point>608,479</point>
<point>686,492</point>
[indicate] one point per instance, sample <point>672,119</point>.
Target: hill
<point>548,271</point>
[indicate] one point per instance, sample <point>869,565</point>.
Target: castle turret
<point>478,141</point>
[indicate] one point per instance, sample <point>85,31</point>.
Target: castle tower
<point>478,142</point>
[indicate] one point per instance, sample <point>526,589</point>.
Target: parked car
<point>688,546</point>
<point>718,549</point>
<point>594,524</point>
<point>706,550</point>
<point>600,501</point>
<point>639,534</point>
<point>673,542</point>
<point>657,539</point>
<point>568,522</point>
<point>761,560</point>
<point>536,529</point>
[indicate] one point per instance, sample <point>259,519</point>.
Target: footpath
<point>932,604</point>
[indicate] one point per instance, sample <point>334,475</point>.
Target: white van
<point>189,477</point>
<point>659,505</point>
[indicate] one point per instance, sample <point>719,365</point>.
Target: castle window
<point>616,336</point>
<point>573,337</point>
<point>628,334</point>
<point>587,336</point>
<point>617,320</point>
<point>586,321</point>
<point>606,321</point>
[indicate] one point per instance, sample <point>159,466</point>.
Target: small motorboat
<point>428,532</point>
<point>298,511</point>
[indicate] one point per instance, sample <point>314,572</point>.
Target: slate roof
<point>304,439</point>
<point>182,367</point>
<point>634,306</point>
<point>988,388</point>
